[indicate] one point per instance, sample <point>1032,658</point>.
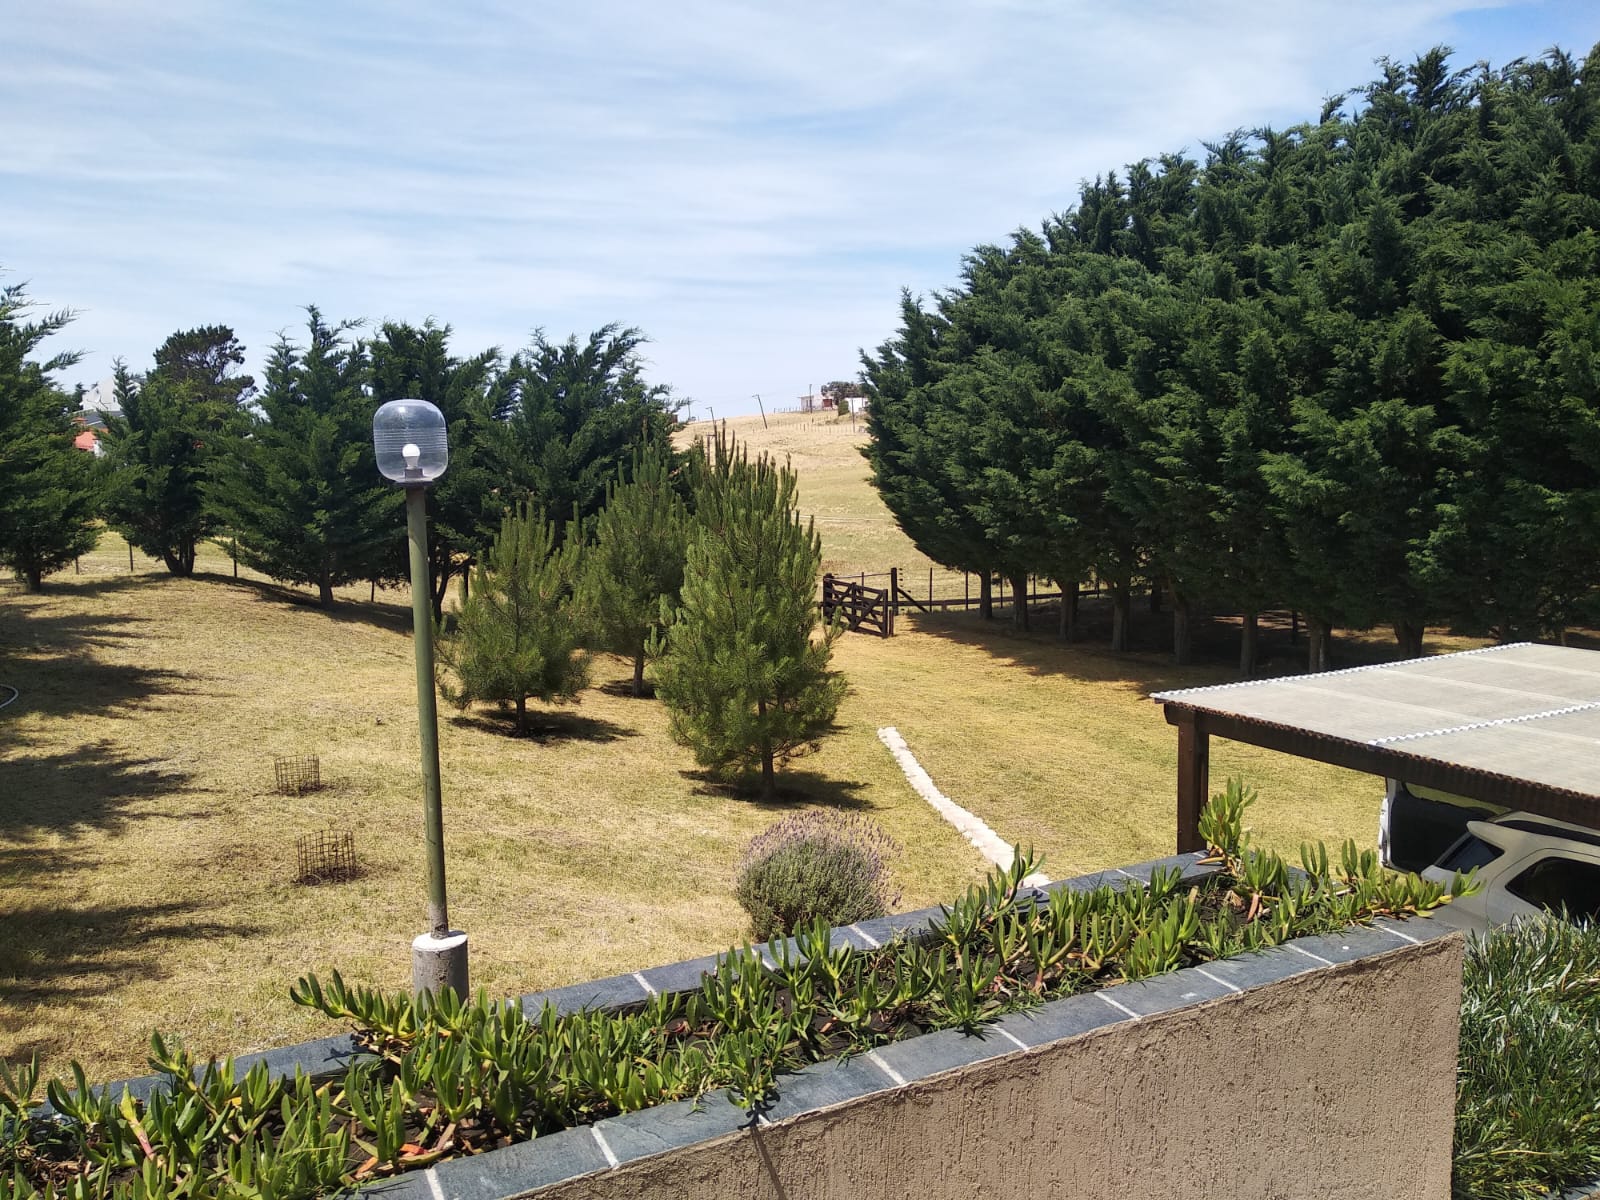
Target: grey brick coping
<point>613,1141</point>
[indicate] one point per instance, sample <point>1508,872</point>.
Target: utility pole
<point>763,409</point>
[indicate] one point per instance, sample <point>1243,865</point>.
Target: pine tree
<point>742,671</point>
<point>636,562</point>
<point>160,450</point>
<point>48,487</point>
<point>517,637</point>
<point>300,488</point>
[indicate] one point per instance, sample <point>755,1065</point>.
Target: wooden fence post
<point>894,590</point>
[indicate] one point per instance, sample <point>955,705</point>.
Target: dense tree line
<point>284,473</point>
<point>564,505</point>
<point>1349,368</point>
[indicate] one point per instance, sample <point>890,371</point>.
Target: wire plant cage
<point>297,774</point>
<point>327,856</point>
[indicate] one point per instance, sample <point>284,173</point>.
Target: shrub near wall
<point>816,866</point>
<point>1528,1094</point>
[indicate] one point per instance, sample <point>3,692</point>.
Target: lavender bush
<point>816,864</point>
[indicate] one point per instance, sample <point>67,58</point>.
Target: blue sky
<point>750,184</point>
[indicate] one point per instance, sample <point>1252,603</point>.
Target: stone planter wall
<point>1332,1080</point>
<point>1324,1067</point>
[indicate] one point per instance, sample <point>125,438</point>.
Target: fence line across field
<point>936,589</point>
<point>868,609</point>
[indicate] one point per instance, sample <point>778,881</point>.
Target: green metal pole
<point>427,707</point>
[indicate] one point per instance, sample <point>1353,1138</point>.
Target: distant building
<point>840,390</point>
<point>88,435</point>
<point>831,395</point>
<point>100,398</point>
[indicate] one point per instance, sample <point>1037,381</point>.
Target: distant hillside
<point>858,532</point>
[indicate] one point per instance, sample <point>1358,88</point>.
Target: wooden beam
<point>1195,726</point>
<point>1194,775</point>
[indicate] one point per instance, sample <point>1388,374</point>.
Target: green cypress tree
<point>742,671</point>
<point>49,489</point>
<point>913,425</point>
<point>572,415</point>
<point>159,451</point>
<point>465,507</point>
<point>300,488</point>
<point>517,637</point>
<point>1516,256</point>
<point>636,562</point>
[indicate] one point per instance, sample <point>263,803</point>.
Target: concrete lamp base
<point>440,963</point>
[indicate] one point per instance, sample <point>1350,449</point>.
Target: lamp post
<point>408,437</point>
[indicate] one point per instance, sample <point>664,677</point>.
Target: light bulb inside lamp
<point>412,453</point>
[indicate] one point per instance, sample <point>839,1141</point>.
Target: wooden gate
<point>863,609</point>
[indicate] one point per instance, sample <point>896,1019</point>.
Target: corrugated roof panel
<point>1559,751</point>
<point>1504,709</point>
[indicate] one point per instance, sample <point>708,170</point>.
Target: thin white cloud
<point>750,184</point>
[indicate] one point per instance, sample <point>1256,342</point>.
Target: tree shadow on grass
<point>25,630</point>
<point>95,585</point>
<point>1146,667</point>
<point>382,614</point>
<point>793,788</point>
<point>545,727</point>
<point>623,689</point>
<point>48,658</point>
<point>50,954</point>
<point>90,788</point>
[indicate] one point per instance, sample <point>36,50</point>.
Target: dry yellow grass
<point>145,859</point>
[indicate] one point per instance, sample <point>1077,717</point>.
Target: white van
<point>1417,825</point>
<point>1526,866</point>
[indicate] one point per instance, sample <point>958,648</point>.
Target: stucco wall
<point>1337,1084</point>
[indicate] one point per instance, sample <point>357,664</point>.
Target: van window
<point>1552,883</point>
<point>1471,851</point>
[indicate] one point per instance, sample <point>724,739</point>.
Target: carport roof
<point>1515,725</point>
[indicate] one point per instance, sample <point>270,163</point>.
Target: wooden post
<point>894,590</point>
<point>966,591</point>
<point>930,591</point>
<point>1194,772</point>
<point>130,558</point>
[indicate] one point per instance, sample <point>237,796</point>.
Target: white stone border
<point>986,841</point>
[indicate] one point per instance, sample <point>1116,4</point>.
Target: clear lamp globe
<point>409,440</point>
